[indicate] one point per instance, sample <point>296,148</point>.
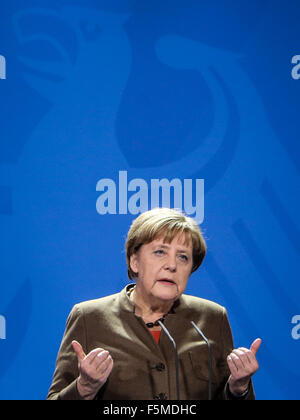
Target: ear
<point>134,263</point>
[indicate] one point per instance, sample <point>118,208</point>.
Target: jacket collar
<point>127,305</point>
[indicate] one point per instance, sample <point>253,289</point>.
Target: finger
<point>78,350</point>
<point>250,355</point>
<point>232,367</point>
<point>93,354</point>
<point>105,372</point>
<point>110,366</point>
<point>105,361</point>
<point>237,362</point>
<point>255,345</point>
<point>244,354</point>
<point>100,359</point>
<point>238,359</point>
<point>244,349</point>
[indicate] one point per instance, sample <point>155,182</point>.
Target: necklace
<point>148,324</point>
<point>156,323</point>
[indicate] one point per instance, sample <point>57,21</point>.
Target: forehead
<point>180,240</point>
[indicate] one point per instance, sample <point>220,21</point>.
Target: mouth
<point>167,281</point>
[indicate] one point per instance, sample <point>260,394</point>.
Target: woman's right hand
<point>94,369</point>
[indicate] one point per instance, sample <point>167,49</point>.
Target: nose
<point>171,264</point>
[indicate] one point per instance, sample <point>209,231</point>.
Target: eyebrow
<point>162,245</point>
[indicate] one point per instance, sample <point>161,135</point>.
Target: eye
<point>183,257</point>
<point>159,252</point>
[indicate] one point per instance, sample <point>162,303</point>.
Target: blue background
<point>186,89</point>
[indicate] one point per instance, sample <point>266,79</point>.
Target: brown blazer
<point>143,369</point>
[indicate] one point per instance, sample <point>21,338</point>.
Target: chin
<point>167,296</point>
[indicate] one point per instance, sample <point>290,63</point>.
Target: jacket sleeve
<point>228,346</point>
<point>64,383</point>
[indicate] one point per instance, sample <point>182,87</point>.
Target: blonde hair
<point>166,223</point>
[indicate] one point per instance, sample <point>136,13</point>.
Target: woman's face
<point>163,269</point>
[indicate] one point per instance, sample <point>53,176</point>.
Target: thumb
<point>78,350</point>
<point>255,345</point>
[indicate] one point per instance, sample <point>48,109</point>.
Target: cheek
<point>184,277</point>
<point>147,269</point>
<point>151,269</point>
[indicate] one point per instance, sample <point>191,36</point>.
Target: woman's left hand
<point>243,364</point>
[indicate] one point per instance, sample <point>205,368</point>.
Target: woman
<point>113,347</point>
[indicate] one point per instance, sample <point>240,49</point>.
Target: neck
<point>149,309</point>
